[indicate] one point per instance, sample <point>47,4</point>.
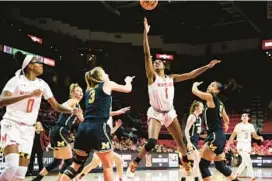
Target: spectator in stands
<point>41,141</point>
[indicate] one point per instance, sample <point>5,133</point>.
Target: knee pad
<point>52,165</point>
<point>21,172</point>
<point>65,165</point>
<point>150,144</point>
<point>79,159</point>
<point>12,161</point>
<point>221,167</point>
<point>11,166</point>
<point>81,167</point>
<point>204,168</point>
<point>70,172</point>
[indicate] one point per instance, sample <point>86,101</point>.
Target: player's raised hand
<point>146,25</point>
<point>129,79</point>
<point>196,84</point>
<point>213,63</point>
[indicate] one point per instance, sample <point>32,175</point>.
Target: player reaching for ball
<point>162,112</point>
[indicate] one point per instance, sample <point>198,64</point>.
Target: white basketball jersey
<point>161,93</point>
<point>244,132</point>
<point>25,111</point>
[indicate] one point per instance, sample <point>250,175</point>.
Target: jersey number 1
<point>166,93</point>
<point>29,106</point>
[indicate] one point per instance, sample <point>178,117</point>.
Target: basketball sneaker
<point>131,169</point>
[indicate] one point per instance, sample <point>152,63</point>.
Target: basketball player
<point>96,161</point>
<point>244,130</point>
<point>161,95</point>
<point>213,149</point>
<point>94,133</point>
<point>192,132</point>
<point>117,159</point>
<point>22,95</point>
<point>59,134</point>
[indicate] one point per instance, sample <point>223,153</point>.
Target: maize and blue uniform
<point>59,134</point>
<point>94,133</point>
<point>195,131</point>
<point>216,138</point>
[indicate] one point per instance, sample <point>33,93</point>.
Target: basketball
<point>149,4</point>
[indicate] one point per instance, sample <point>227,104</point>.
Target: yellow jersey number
<point>92,96</point>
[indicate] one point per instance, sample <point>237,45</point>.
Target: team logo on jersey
<point>212,147</point>
<point>105,146</point>
<point>61,144</point>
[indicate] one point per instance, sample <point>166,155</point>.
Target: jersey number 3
<point>29,106</point>
<point>246,135</point>
<point>92,96</point>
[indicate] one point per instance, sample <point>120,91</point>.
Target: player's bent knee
<point>150,144</point>
<point>11,164</point>
<point>66,164</point>
<point>204,168</point>
<point>221,167</point>
<point>79,159</point>
<point>56,162</point>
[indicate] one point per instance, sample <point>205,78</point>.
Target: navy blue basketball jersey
<point>212,117</point>
<point>67,120</point>
<point>98,104</point>
<point>194,130</point>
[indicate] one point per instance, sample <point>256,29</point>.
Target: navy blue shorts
<point>93,136</point>
<point>59,136</point>
<point>216,142</point>
<point>194,141</point>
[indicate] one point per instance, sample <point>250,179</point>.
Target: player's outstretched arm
<point>194,73</point>
<point>150,72</point>
<point>127,88</point>
<point>120,111</point>
<point>58,107</point>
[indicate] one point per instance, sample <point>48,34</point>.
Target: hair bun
<point>19,56</point>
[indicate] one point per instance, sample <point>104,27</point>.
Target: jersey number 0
<point>29,106</point>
